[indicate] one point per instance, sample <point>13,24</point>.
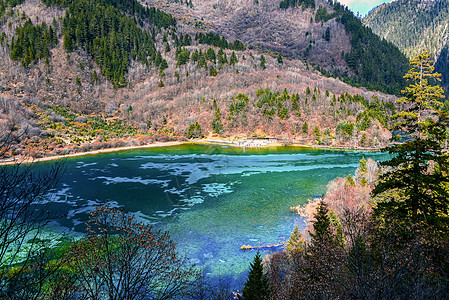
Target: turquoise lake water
<point>212,199</point>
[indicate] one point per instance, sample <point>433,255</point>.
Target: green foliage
<point>270,102</point>
<point>32,43</point>
<point>377,64</point>
<point>336,227</point>
<point>283,112</point>
<point>296,3</point>
<point>295,242</point>
<point>321,225</point>
<point>182,56</point>
<point>414,191</point>
<point>442,66</point>
<point>363,140</point>
<point>262,62</point>
<point>213,72</point>
<point>5,4</point>
<point>305,128</point>
<point>217,126</point>
<point>327,34</point>
<point>316,133</point>
<point>322,15</point>
<point>280,60</point>
<point>362,165</point>
<point>194,131</point>
<point>215,40</point>
<point>345,128</point>
<point>238,104</point>
<point>233,60</point>
<point>411,25</point>
<point>308,91</point>
<point>349,181</point>
<point>104,30</point>
<point>211,56</point>
<point>256,286</point>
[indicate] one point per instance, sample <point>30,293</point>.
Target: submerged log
<point>268,246</point>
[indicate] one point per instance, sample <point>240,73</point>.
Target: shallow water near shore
<point>213,199</point>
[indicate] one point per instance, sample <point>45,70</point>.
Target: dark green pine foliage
<point>296,3</point>
<point>256,286</point>
<point>262,62</point>
<point>211,56</point>
<point>5,4</point>
<point>442,66</point>
<point>104,30</point>
<point>377,64</point>
<point>32,43</point>
<point>182,56</point>
<point>194,131</point>
<point>217,41</point>
<point>414,189</point>
<point>233,60</point>
<point>412,25</point>
<point>321,225</point>
<point>217,126</point>
<point>279,58</point>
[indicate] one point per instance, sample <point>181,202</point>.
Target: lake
<point>212,199</point>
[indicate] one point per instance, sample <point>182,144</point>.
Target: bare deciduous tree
<point>124,259</point>
<point>23,214</point>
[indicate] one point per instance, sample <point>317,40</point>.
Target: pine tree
<point>262,62</point>
<point>321,225</point>
<point>280,60</point>
<point>305,128</point>
<point>217,126</point>
<point>295,242</point>
<point>257,286</point>
<point>413,191</point>
<point>233,60</point>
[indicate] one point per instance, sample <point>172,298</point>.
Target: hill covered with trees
<point>100,73</point>
<point>414,25</point>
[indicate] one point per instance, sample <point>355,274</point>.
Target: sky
<point>362,6</point>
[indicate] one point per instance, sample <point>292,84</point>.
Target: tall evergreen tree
<point>262,62</point>
<point>257,286</point>
<point>414,189</point>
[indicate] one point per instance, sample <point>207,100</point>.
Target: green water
<point>212,199</point>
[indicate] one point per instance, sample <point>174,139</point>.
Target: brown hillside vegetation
<point>58,103</point>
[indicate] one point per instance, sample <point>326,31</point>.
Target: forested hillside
<point>322,32</point>
<point>414,25</point>
<point>86,74</point>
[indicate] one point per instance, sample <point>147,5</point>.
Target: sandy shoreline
<point>238,144</point>
<point>94,152</point>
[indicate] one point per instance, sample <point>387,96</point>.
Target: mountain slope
<point>325,34</point>
<point>414,25</point>
<point>76,76</point>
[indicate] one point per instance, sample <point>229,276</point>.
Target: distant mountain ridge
<point>414,25</point>
<point>324,33</point>
<point>81,71</point>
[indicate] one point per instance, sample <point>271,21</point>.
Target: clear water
<point>212,199</point>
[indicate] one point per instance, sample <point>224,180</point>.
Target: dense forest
<point>442,66</point>
<point>413,26</point>
<point>373,62</point>
<point>367,58</point>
